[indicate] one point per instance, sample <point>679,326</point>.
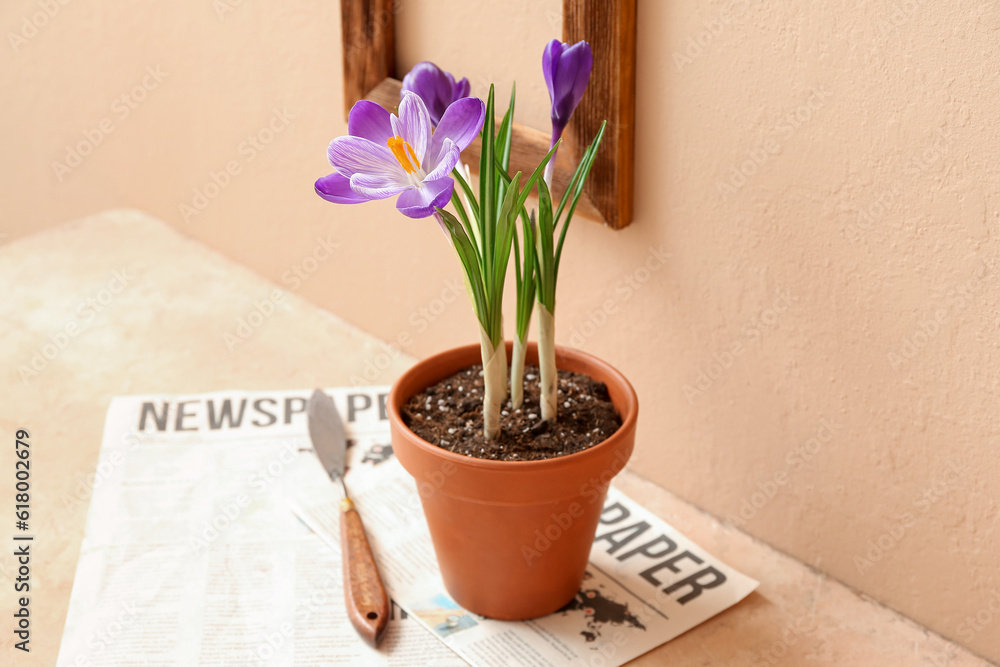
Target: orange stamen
<point>404,153</point>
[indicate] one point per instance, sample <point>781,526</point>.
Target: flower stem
<point>551,166</point>
<point>494,382</point>
<point>502,353</point>
<point>517,372</point>
<point>547,362</point>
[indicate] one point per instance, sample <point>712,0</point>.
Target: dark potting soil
<point>450,415</point>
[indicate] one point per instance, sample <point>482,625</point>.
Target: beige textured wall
<point>814,341</point>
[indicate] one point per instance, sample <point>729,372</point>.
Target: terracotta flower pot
<point>512,537</point>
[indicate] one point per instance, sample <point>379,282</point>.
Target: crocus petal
<point>446,162</point>
<point>461,123</point>
<point>437,88</point>
<point>550,62</point>
<point>369,121</point>
<point>420,202</point>
<point>429,82</point>
<point>353,155</point>
<point>337,188</point>
<point>585,63</point>
<point>567,72</point>
<point>564,74</point>
<point>422,76</point>
<point>413,124</point>
<point>377,186</point>
<point>571,78</point>
<point>433,85</point>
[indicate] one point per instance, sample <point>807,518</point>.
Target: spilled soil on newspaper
<point>449,414</point>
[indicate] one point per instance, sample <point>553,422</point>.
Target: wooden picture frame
<point>609,26</point>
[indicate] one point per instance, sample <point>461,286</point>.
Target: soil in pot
<point>449,414</point>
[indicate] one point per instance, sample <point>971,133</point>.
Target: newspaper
<point>193,557</point>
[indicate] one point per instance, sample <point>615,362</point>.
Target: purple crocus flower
<point>566,68</point>
<point>387,155</point>
<point>437,88</point>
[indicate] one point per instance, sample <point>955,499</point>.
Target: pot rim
<point>628,411</point>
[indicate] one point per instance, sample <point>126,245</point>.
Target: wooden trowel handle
<point>367,603</point>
